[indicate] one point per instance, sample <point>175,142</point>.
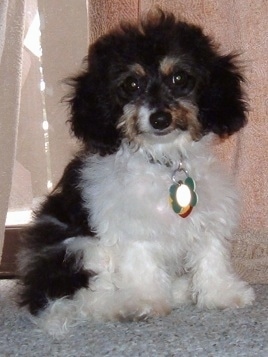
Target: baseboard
<point>8,267</point>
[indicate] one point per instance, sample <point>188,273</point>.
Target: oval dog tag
<point>182,195</point>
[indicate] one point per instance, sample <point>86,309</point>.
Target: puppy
<point>142,218</point>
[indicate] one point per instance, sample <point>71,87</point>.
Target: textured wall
<point>104,15</point>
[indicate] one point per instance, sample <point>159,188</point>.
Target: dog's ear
<point>93,119</point>
<point>222,105</point>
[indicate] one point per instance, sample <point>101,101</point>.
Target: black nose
<point>160,120</point>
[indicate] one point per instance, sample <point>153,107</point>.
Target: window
<point>55,41</point>
<point>52,50</point>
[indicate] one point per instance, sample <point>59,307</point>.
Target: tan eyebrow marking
<point>138,69</point>
<point>167,65</point>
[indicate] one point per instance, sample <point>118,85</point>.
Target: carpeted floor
<point>186,332</point>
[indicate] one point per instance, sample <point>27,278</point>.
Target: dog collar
<point>165,162</point>
<point>182,195</point>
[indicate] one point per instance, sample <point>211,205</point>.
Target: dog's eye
<point>131,84</point>
<point>181,83</point>
<point>180,78</point>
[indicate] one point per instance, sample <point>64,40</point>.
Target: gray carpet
<point>186,332</point>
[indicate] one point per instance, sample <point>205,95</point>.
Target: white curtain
<point>35,144</point>
<point>11,38</point>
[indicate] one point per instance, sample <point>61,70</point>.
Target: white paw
<point>142,311</point>
<point>181,291</point>
<point>59,316</point>
<point>236,295</point>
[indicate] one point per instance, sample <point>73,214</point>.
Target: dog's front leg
<point>214,282</point>
<point>143,285</point>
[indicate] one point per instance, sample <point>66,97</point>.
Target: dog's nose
<point>160,120</point>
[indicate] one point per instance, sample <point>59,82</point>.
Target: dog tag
<point>182,194</point>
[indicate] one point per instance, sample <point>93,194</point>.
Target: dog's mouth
<point>162,132</point>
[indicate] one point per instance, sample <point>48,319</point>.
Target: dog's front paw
<point>236,295</point>
<point>141,312</point>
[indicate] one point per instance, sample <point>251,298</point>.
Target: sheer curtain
<point>41,43</point>
<point>11,38</point>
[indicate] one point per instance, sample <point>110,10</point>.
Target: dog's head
<point>153,81</point>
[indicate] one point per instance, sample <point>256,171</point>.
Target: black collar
<point>165,162</point>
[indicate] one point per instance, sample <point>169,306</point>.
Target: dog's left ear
<point>222,106</point>
<point>93,118</point>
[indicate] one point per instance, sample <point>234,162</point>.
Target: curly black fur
<point>49,274</point>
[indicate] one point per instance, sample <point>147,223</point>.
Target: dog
<point>142,219</point>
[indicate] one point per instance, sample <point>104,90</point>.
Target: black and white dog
<point>142,218</point>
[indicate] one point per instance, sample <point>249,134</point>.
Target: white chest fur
<point>128,197</point>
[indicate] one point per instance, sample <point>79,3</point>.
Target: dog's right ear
<point>92,119</point>
<point>222,105</point>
